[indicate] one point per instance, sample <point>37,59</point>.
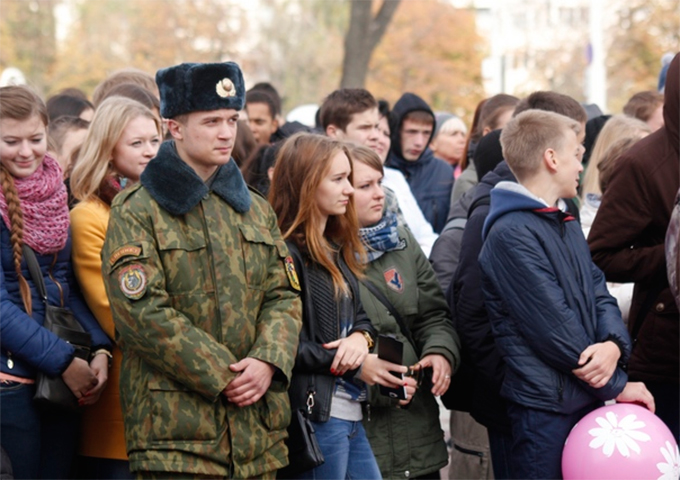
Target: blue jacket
<point>547,302</point>
<point>33,347</point>
<point>430,178</point>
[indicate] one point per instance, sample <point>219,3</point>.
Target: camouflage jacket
<point>197,281</point>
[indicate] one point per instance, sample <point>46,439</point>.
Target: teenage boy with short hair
<point>262,118</point>
<point>556,326</point>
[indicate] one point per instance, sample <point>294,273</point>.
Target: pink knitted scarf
<point>42,196</point>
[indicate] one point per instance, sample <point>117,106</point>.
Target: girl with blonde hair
<point>619,134</point>
<point>123,138</point>
<point>312,195</point>
<point>40,443</point>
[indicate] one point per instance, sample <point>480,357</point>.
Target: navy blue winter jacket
<point>34,348</point>
<point>430,178</point>
<point>547,302</point>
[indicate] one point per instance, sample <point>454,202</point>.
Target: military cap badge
<point>133,281</point>
<point>225,88</point>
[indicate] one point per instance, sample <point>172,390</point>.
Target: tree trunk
<point>362,37</point>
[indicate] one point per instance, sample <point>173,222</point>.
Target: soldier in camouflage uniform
<point>202,297</point>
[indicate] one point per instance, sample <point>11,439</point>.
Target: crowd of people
<point>236,272</point>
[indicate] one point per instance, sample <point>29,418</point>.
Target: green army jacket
<point>196,285</point>
<point>409,442</point>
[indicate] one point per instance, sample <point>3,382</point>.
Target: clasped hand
<point>253,378</point>
<point>598,363</point>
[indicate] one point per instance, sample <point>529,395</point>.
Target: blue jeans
<point>346,450</point>
<point>39,444</point>
<point>538,439</point>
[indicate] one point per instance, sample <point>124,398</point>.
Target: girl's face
<point>369,197</point>
<point>23,144</point>
<point>332,194</point>
<point>384,140</point>
<point>135,148</point>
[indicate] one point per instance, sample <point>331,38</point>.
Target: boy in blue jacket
<point>558,329</point>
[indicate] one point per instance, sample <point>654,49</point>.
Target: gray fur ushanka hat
<point>191,87</point>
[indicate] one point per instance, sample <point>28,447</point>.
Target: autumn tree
<point>296,45</point>
<point>642,31</point>
<point>431,49</point>
<point>363,35</point>
<point>27,38</point>
<point>108,35</point>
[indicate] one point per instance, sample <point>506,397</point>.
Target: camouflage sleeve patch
<point>133,281</point>
<point>127,250</point>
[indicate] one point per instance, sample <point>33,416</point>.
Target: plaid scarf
<point>381,237</point>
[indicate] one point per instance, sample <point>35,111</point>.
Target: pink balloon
<point>620,442</point>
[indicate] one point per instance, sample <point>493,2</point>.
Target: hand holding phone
<point>392,350</point>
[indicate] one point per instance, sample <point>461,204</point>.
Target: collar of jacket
<point>178,188</point>
<point>408,166</point>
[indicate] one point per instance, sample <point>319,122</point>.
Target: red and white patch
<point>394,280</point>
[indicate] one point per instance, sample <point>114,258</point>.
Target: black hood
<point>409,102</point>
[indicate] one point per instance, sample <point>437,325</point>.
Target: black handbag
<point>304,452</point>
<point>52,392</point>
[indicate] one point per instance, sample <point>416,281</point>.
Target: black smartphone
<point>392,350</point>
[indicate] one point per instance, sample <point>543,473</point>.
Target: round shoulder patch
<point>133,281</point>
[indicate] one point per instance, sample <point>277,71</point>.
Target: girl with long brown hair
<point>312,195</point>
<point>40,444</point>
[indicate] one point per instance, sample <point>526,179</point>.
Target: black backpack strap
<point>485,200</point>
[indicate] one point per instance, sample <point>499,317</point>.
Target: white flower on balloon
<point>621,435</point>
<point>670,470</point>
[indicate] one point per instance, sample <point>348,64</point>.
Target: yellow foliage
<point>431,49</point>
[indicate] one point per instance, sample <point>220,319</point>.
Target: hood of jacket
<point>671,105</point>
<point>508,197</point>
<point>409,102</point>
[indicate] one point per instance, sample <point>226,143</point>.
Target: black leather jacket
<point>313,361</point>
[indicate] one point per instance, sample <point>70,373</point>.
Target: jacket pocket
<point>185,263</point>
<point>275,410</point>
<point>257,244</point>
<point>179,414</point>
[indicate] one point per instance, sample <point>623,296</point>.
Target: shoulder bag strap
<point>34,269</point>
<point>383,299</point>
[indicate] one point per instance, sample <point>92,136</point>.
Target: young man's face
<point>414,139</point>
<point>205,139</point>
<point>569,167</point>
<point>261,122</point>
<point>362,129</point>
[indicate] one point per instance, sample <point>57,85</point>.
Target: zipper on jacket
<point>467,451</point>
<point>560,386</point>
<point>211,266</point>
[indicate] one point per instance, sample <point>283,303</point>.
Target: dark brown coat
<point>627,239</point>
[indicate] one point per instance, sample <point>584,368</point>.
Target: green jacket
<point>196,281</point>
<point>409,442</point>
